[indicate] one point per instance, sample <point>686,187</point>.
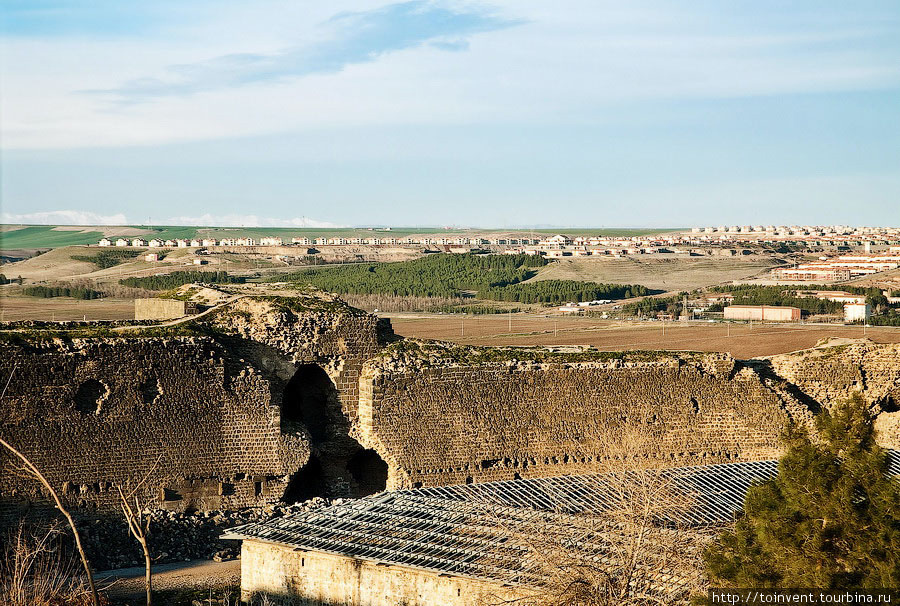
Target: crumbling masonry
<point>284,399</point>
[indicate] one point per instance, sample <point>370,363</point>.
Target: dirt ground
<point>662,272</point>
<point>128,583</point>
<point>740,340</point>
<point>64,308</point>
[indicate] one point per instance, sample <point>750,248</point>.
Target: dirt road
<point>128,583</point>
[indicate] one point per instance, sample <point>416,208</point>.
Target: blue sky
<point>501,114</point>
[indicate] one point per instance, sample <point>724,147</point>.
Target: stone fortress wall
<point>93,414</point>
<point>216,421</point>
<point>561,413</point>
<point>275,398</point>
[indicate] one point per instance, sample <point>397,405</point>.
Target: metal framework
<point>486,531</point>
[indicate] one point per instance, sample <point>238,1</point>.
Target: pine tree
<point>829,520</point>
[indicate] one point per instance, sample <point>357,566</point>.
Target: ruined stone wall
<point>828,375</point>
<point>329,333</point>
<point>444,421</point>
<point>92,414</point>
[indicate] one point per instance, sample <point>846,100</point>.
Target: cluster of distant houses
<point>193,243</point>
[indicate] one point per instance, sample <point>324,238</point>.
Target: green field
<point>45,236</point>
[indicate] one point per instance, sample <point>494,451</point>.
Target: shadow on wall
<point>270,598</point>
<point>338,465</point>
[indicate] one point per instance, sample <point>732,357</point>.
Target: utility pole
<point>509,316</point>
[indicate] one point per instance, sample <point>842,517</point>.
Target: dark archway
<point>305,402</point>
<point>307,483</point>
<point>369,471</point>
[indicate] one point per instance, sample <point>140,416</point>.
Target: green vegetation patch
<point>105,259</point>
<point>493,277</point>
<point>180,278</point>
<point>475,309</point>
<point>471,356</point>
<point>35,334</point>
<point>44,236</point>
<point>48,292</point>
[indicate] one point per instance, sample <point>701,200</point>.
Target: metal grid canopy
<point>470,530</point>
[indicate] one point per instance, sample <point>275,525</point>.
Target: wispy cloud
<point>63,217</point>
<point>353,38</point>
<point>247,221</point>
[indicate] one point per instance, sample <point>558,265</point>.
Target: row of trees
<point>179,278</point>
<point>48,292</point>
<point>561,291</point>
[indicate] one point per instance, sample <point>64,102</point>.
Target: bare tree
<point>139,527</point>
<point>623,545</point>
<point>35,472</point>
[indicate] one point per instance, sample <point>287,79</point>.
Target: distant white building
<point>854,312</point>
<point>207,242</point>
<point>301,241</point>
<point>151,257</point>
<point>104,242</point>
<point>181,243</point>
<point>121,242</point>
<point>154,243</point>
<point>195,243</point>
<point>246,242</point>
<point>271,241</point>
<point>170,242</point>
<point>138,242</point>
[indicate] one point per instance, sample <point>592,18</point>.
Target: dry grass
<point>17,307</point>
<point>742,341</point>
<point>658,271</point>
<point>35,572</point>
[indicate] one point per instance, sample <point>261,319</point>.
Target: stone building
<point>472,545</point>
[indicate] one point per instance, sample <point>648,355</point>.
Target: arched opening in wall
<point>89,396</point>
<point>305,401</point>
<point>309,482</point>
<point>369,471</point>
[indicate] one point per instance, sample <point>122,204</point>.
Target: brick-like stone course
<point>201,415</point>
<point>453,424</point>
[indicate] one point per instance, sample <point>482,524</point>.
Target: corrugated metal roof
<point>471,530</point>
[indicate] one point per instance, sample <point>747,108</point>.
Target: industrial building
<point>460,545</point>
<point>857,312</point>
<point>763,313</point>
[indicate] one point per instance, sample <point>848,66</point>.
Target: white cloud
<point>564,64</point>
<point>247,221</point>
<point>64,217</point>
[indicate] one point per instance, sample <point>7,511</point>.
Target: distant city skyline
<point>498,114</point>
